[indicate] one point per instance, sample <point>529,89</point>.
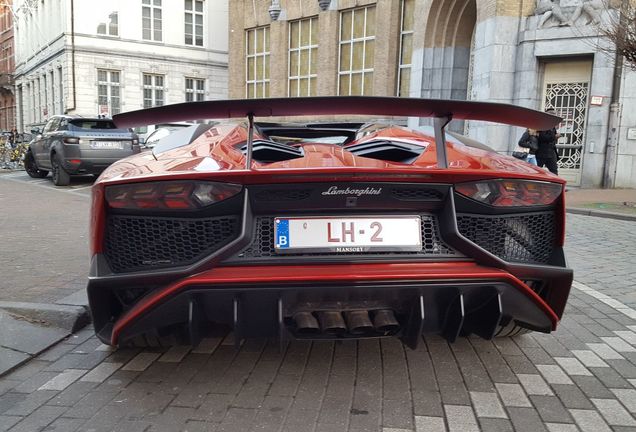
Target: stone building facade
<point>7,68</point>
<point>539,54</point>
<point>100,58</point>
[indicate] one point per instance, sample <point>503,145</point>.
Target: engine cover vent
<point>391,151</point>
<point>270,152</point>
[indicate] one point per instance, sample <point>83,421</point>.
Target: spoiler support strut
<point>250,141</point>
<point>439,125</point>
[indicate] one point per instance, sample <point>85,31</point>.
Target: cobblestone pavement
<point>581,378</point>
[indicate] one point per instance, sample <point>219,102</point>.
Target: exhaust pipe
<point>331,322</point>
<point>358,322</point>
<point>385,322</point>
<point>306,323</point>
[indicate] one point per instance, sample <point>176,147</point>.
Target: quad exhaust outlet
<point>380,322</point>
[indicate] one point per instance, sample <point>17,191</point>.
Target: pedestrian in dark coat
<point>547,155</point>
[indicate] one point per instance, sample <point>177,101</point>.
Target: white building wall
<point>45,45</point>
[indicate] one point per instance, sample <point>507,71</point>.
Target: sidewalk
<point>613,203</point>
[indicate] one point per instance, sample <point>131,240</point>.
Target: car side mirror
<point>35,131</point>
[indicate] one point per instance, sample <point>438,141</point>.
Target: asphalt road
<point>581,378</point>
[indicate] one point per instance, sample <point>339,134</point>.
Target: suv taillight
<point>511,193</point>
<point>171,195</point>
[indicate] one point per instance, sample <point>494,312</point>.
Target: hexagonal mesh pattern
<point>416,194</point>
<point>262,245</point>
<point>520,238</point>
<point>142,243</point>
<point>283,195</point>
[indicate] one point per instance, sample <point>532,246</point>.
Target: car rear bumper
<point>262,301</point>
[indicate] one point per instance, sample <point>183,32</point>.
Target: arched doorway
<point>448,44</point>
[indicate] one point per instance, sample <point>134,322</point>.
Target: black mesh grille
<point>417,194</point>
<point>519,238</point>
<point>262,245</point>
<point>142,243</point>
<point>283,195</point>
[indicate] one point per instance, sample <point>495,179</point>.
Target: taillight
<point>171,195</point>
<point>511,193</point>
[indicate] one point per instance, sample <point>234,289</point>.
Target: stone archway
<point>447,50</point>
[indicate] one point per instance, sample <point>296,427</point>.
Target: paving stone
<point>29,403</point>
<point>487,405</point>
<point>589,421</point>
<point>534,384</point>
<point>627,397</point>
<point>627,335</point>
<point>553,374</point>
<point>513,395</point>
<point>604,351</point>
<point>72,394</point>
<point>613,412</point>
<point>551,409</point>
<point>572,396</point>
<point>618,344</point>
<point>101,372</point>
<point>175,354</point>
<point>38,419</point>
<point>460,418</point>
<point>63,380</point>
<point>572,366</point>
<point>525,420</point>
<point>65,425</point>
<point>561,427</point>
<point>495,425</point>
<point>429,424</point>
<point>592,387</point>
<point>589,358</point>
<point>7,422</point>
<point>141,361</point>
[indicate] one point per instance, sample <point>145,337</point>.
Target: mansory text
<point>325,230</point>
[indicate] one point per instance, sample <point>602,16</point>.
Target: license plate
<point>347,235</point>
<point>115,145</point>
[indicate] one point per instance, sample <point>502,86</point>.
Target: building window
<point>406,46</point>
<point>257,73</point>
<point>357,51</point>
<point>194,89</point>
<point>151,20</point>
<point>108,92</point>
<point>303,54</point>
<point>194,22</point>
<point>153,90</point>
<point>112,28</point>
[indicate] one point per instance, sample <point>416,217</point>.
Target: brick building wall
<point>7,69</point>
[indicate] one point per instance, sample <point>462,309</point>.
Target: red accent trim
<point>97,219</point>
<point>331,273</point>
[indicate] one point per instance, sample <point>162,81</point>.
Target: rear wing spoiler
<point>443,111</point>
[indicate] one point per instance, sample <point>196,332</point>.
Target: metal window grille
<point>153,90</point>
<point>194,89</point>
<point>108,91</point>
<point>151,21</point>
<point>357,51</point>
<point>303,56</point>
<point>257,65</point>
<point>194,22</point>
<point>406,46</point>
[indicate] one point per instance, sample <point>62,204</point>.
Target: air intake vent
<point>413,194</point>
<point>270,152</point>
<point>283,195</point>
<point>390,151</point>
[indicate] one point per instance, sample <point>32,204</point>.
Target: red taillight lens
<point>171,195</point>
<point>511,193</point>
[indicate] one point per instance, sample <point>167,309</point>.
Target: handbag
<point>520,154</point>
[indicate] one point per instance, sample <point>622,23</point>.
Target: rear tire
<point>60,176</point>
<point>31,168</point>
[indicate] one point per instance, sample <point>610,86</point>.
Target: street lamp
<point>324,4</point>
<point>274,10</point>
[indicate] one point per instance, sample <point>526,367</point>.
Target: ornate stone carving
<point>550,9</point>
<point>591,8</point>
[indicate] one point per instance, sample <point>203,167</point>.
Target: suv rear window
<point>92,124</point>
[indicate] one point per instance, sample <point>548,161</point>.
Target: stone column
<point>387,41</point>
<point>278,58</point>
<point>328,53</point>
<point>236,57</point>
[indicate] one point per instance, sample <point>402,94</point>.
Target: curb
<point>601,213</point>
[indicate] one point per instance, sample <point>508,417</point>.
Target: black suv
<point>73,145</point>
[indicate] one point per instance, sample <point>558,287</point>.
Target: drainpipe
<point>613,133</point>
<point>72,57</point>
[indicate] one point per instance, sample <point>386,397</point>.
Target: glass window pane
<point>188,39</point>
<point>293,63</point>
<point>102,91</point>
<point>114,77</point>
<point>345,29</point>
<point>147,79</point>
<point>146,33</point>
<point>199,6</point>
<point>189,97</point>
<point>358,23</point>
<point>314,31</point>
<point>266,68</point>
<point>370,30</point>
<point>101,75</point>
<point>314,60</point>
<point>312,87</point>
<point>407,48</point>
<point>409,14</point>
<point>250,90</point>
<point>159,80</point>
<point>199,40</point>
<point>259,41</point>
<point>188,83</point>
<point>145,13</point>
<point>293,87</point>
<point>259,67</point>
<point>369,54</point>
<point>201,85</point>
<point>250,69</point>
<point>344,85</point>
<point>304,62</point>
<point>259,90</point>
<point>266,39</point>
<point>345,57</point>
<point>304,32</point>
<point>188,4</point>
<point>304,87</point>
<point>357,62</point>
<point>250,42</point>
<point>188,20</point>
<point>368,83</point>
<point>293,34</point>
<point>198,20</point>
<point>114,91</point>
<point>157,2</point>
<point>266,89</point>
<point>405,81</point>
<point>356,84</point>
